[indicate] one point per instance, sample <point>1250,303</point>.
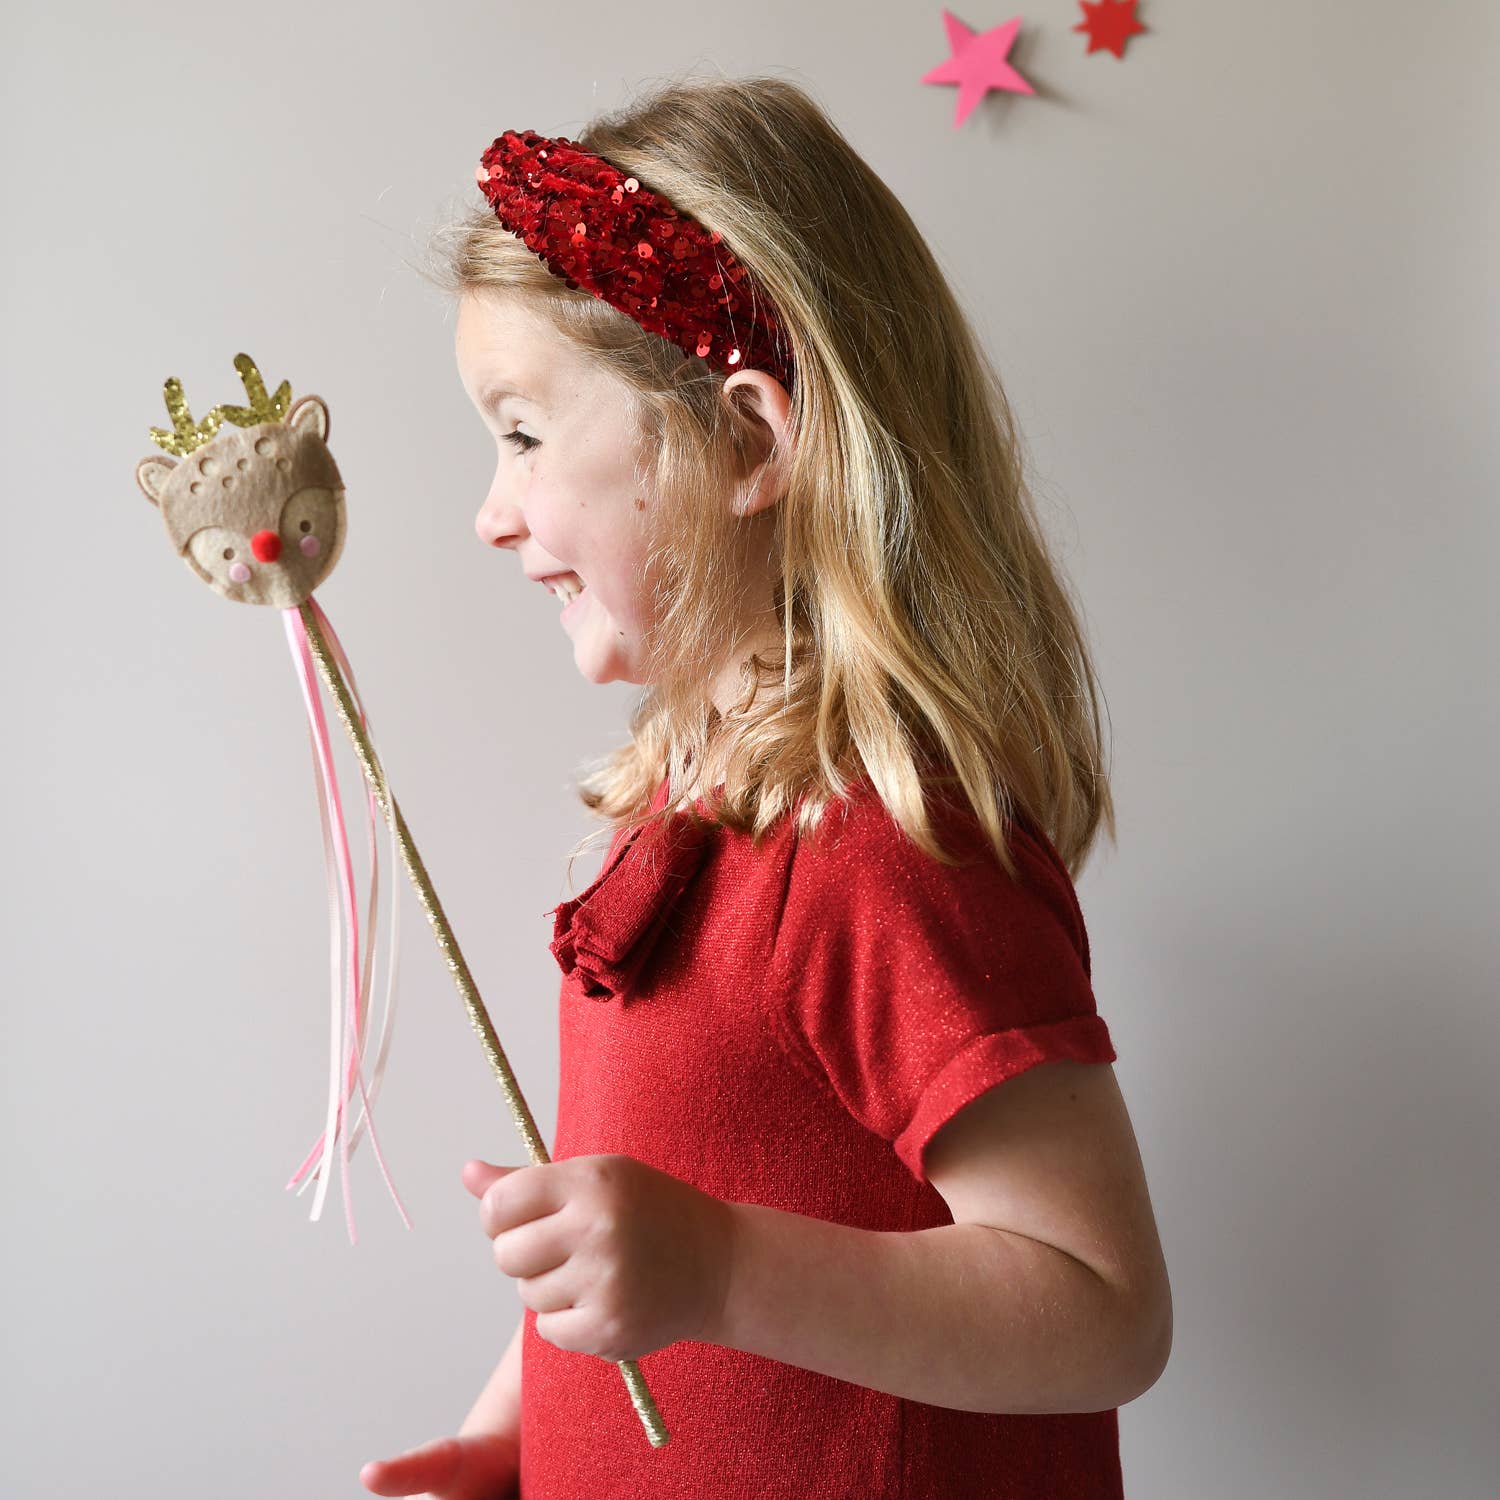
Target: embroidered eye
<point>523,440</point>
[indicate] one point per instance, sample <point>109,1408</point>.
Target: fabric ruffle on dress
<point>605,933</point>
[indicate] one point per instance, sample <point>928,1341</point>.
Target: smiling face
<point>567,495</point>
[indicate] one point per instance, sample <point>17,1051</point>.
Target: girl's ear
<point>763,401</point>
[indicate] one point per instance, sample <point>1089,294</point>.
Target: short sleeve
<point>912,986</point>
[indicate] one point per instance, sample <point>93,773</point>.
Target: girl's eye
<point>523,440</point>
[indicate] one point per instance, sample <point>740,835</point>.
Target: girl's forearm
<point>961,1315</point>
<point>497,1408</point>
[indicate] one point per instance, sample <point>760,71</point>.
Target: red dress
<point>790,1026</point>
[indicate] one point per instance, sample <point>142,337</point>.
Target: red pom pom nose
<point>266,546</point>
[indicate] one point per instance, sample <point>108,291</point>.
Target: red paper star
<point>1109,24</point>
<point>978,63</point>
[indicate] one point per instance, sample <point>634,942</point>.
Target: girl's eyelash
<point>523,440</point>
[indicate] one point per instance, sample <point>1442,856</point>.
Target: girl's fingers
<point>477,1466</point>
<point>422,1470</point>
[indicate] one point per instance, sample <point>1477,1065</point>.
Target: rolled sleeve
<point>915,986</point>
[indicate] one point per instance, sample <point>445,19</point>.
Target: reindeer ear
<point>309,411</point>
<point>152,474</point>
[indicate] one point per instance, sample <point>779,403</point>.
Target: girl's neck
<point>698,785</point>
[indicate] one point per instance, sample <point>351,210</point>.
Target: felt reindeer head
<point>255,508</point>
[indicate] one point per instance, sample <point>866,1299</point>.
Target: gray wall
<point>1240,286</point>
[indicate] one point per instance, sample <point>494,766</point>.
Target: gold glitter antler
<point>186,434</point>
<point>262,408</point>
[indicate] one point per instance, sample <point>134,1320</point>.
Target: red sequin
<point>594,227</point>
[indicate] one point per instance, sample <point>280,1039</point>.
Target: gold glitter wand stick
<point>254,505</point>
<point>640,1396</point>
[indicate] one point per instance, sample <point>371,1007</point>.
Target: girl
<point>809,1166</point>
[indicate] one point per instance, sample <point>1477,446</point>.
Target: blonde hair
<point>924,623</point>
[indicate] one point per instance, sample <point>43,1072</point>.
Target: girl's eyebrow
<point>495,394</point>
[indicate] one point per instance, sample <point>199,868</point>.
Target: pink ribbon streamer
<point>365,1116</point>
<point>348,1021</point>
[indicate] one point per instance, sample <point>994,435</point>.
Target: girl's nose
<point>499,525</point>
<point>266,546</point>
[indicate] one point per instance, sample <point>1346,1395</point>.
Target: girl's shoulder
<point>860,824</point>
<point>860,864</point>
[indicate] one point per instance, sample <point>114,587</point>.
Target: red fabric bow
<point>606,932</point>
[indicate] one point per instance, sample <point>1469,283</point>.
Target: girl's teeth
<point>567,589</point>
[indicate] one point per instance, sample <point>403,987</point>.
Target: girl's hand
<point>480,1466</point>
<point>616,1258</point>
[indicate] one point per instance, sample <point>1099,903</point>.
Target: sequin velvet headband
<point>601,230</point>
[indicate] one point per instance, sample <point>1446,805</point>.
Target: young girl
<point>808,1167</point>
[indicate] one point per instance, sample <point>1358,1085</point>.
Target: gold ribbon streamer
<point>640,1396</point>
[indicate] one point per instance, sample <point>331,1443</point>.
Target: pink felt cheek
<point>239,573</point>
<point>310,546</point>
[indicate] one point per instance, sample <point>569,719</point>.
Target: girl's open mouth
<point>568,587</point>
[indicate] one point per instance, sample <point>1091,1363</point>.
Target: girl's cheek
<point>543,520</point>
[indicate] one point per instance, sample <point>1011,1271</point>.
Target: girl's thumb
<point>478,1175</point>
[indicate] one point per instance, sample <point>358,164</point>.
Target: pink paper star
<point>978,63</point>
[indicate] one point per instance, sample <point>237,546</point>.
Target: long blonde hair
<point>924,623</point>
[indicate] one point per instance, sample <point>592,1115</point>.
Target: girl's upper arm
<point>1051,1154</point>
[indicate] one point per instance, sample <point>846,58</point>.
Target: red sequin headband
<point>601,230</point>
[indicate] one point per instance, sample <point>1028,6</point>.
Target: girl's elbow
<point>1154,1346</point>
